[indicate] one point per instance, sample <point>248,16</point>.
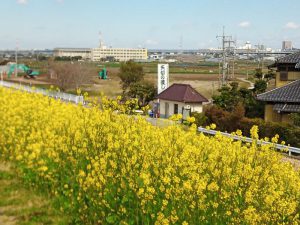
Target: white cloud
<point>22,2</point>
<point>244,24</point>
<point>60,1</point>
<point>292,25</point>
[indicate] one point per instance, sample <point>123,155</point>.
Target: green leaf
<point>112,219</point>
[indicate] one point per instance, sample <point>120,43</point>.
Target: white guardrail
<point>289,149</point>
<point>53,94</point>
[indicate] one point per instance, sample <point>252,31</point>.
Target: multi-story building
<point>120,54</point>
<point>287,45</point>
<point>98,54</point>
<point>85,53</point>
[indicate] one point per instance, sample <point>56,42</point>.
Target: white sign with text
<point>163,77</point>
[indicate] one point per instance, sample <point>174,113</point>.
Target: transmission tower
<point>226,49</point>
<point>260,57</point>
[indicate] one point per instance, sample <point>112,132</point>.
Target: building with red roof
<point>179,98</point>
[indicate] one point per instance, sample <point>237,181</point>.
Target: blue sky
<point>39,24</point>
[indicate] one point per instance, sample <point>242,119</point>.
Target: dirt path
<point>251,84</point>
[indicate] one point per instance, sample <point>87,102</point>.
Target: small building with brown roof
<point>178,97</point>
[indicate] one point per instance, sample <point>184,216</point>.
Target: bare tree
<point>71,75</point>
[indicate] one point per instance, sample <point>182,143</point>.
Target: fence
<point>53,94</point>
<point>250,140</point>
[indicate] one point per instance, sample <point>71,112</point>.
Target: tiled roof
<point>288,93</point>
<point>294,108</point>
<point>292,58</point>
<point>182,93</point>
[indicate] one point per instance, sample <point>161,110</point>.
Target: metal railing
<point>289,149</point>
<point>53,94</point>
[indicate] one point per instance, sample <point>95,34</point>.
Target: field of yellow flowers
<point>108,168</point>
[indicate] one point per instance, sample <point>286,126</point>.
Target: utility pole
<point>247,62</point>
<point>259,57</point>
<point>16,55</point>
<point>233,61</point>
<point>225,40</point>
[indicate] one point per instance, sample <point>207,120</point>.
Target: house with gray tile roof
<point>287,69</point>
<point>285,98</point>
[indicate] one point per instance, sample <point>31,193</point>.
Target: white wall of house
<point>196,107</point>
<point>164,104</point>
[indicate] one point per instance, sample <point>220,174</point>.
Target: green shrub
<point>231,121</point>
<point>200,118</point>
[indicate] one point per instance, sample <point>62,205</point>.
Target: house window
<point>175,108</point>
<point>283,75</point>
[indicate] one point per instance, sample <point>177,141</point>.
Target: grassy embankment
<point>23,205</point>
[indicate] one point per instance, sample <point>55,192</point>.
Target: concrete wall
<point>195,107</point>
<point>292,75</point>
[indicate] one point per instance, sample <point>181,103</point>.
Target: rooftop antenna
<point>100,40</point>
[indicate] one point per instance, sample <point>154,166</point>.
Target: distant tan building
<point>120,54</point>
<point>104,53</point>
<point>285,98</point>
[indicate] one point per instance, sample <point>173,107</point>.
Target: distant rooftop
<point>73,49</point>
<point>292,58</point>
